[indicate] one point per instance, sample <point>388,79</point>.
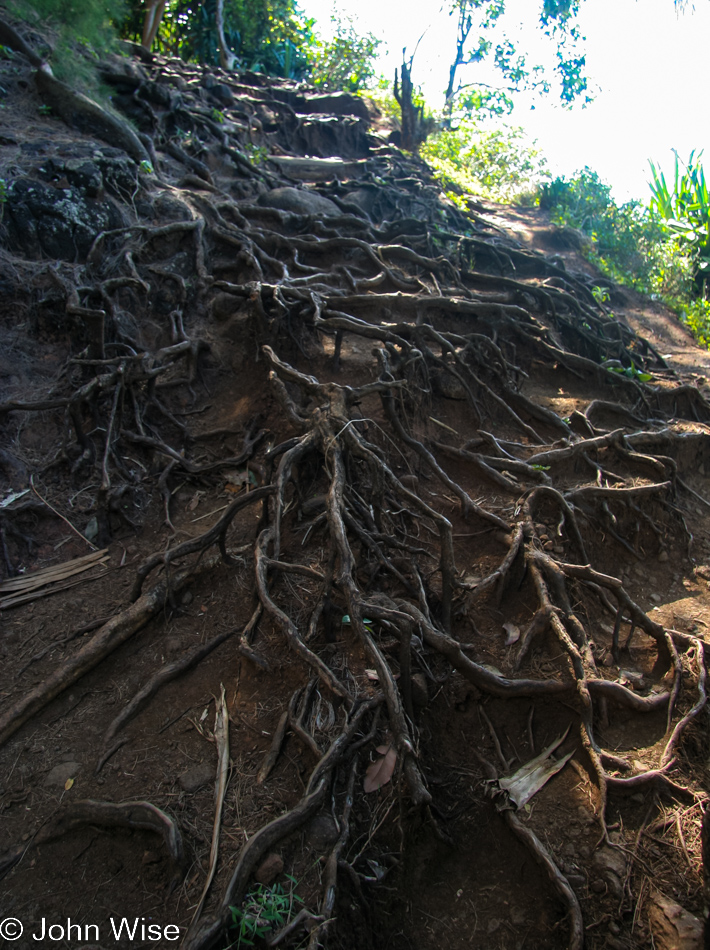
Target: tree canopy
<point>481,37</point>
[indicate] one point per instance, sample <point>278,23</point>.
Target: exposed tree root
<point>115,632</point>
<point>164,675</point>
<point>388,527</point>
<point>542,857</point>
<point>209,931</point>
<point>138,815</point>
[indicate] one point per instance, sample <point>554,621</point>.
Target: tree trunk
<point>227,59</point>
<point>413,125</point>
<point>153,16</point>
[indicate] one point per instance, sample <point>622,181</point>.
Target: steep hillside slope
<point>327,507</point>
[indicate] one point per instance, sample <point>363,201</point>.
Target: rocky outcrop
<point>59,210</point>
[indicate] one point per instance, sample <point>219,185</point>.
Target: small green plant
<point>45,110</point>
<point>600,294</point>
<point>257,154</point>
<point>146,167</point>
<point>218,116</point>
<point>265,910</point>
<point>614,366</point>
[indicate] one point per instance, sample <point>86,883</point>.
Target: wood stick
<point>221,736</point>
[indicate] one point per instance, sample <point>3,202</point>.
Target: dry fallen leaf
<point>381,770</point>
<point>513,633</point>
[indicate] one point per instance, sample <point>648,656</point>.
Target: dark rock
<point>269,869</point>
<point>60,222</point>
<point>80,173</point>
<point>167,208</point>
<point>268,118</point>
<point>321,833</point>
<point>223,94</point>
<point>410,481</point>
<point>299,201</point>
<point>156,93</point>
<point>119,172</point>
<point>196,777</point>
<point>86,176</point>
<point>364,199</point>
<point>444,384</point>
<point>225,305</point>
<point>61,773</point>
<point>611,865</point>
<point>332,135</point>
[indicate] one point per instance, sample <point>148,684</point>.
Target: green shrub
<point>269,36</point>
<point>380,93</point>
<point>345,62</point>
<point>627,242</point>
<point>495,163</point>
<point>686,211</point>
<point>79,32</point>
<point>696,316</point>
<point>645,247</point>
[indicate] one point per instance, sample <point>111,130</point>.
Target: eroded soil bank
<point>376,503</point>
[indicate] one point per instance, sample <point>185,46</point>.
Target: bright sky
<point>647,67</point>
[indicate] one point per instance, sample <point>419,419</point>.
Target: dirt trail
<point>389,475</point>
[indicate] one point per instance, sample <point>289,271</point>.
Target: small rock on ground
<point>61,773</point>
<point>196,777</point>
<point>269,869</point>
<point>321,833</point>
<point>673,927</point>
